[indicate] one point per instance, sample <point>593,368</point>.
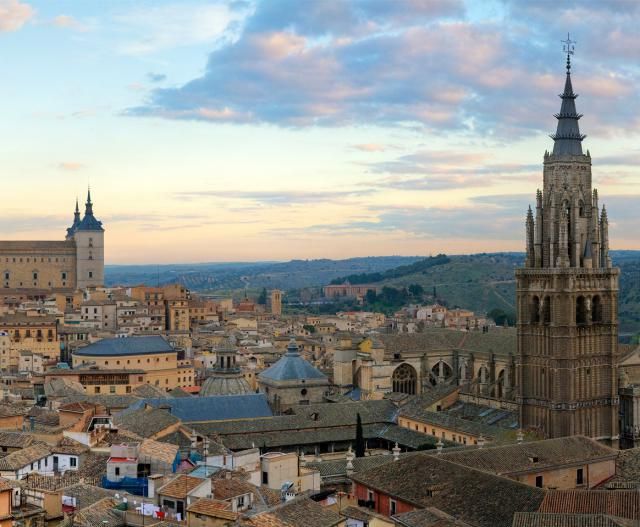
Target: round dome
<point>225,385</point>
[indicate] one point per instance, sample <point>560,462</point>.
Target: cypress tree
<point>360,447</point>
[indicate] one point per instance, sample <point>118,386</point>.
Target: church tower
<point>89,237</point>
<point>567,296</point>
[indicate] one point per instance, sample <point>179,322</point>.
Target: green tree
<point>360,447</point>
<point>262,299</point>
<point>416,290</point>
<point>310,328</point>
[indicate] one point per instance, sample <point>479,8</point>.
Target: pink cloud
<point>68,22</point>
<point>370,147</point>
<point>71,166</point>
<point>14,14</point>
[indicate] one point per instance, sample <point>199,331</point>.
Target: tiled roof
<point>87,495</point>
<point>69,446</point>
<point>164,452</point>
<point>429,481</point>
<point>213,508</point>
<point>180,486</point>
<point>532,456</point>
<point>214,408</point>
<point>225,489</point>
<point>21,458</point>
<point>15,439</point>
<point>146,422</point>
<point>126,346</point>
<point>542,519</point>
<point>620,503</point>
<point>500,342</point>
<point>628,467</point>
<point>426,518</point>
<point>299,512</point>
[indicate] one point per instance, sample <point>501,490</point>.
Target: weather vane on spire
<point>568,46</point>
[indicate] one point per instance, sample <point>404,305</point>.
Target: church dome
<point>291,366</point>
<point>225,385</point>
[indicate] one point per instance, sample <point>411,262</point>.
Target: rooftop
<point>430,481</point>
<point>114,347</point>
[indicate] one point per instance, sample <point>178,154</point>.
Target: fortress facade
<point>77,262</point>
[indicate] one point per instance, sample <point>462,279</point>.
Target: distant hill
<point>480,282</point>
<point>215,277</point>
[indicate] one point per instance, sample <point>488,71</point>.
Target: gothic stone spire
<point>568,139</point>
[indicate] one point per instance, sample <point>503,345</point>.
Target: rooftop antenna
<point>568,47</point>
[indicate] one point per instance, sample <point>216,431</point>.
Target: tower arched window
<point>581,208</point>
<point>581,310</point>
<point>596,309</point>
<point>546,310</point>
<point>535,310</point>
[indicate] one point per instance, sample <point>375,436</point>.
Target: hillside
<point>216,277</point>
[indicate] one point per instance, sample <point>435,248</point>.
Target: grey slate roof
<point>291,366</point>
<point>214,408</point>
<point>114,347</point>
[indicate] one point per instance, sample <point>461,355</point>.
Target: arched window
<point>535,310</point>
<point>581,208</point>
<point>596,309</point>
<point>581,310</point>
<point>546,310</point>
<point>405,379</point>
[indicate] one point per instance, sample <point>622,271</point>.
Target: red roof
<point>191,389</point>
<point>121,460</point>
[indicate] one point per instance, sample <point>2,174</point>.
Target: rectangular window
<point>73,462</point>
<point>112,389</point>
<point>393,507</point>
<point>90,274</point>
<point>580,477</point>
<point>35,276</point>
<point>117,471</point>
<point>539,482</point>
<point>265,478</point>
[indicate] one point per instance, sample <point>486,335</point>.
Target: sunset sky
<point>279,129</point>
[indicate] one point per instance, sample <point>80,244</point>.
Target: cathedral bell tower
<point>567,296</point>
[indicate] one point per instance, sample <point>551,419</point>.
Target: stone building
<point>567,296</point>
<point>75,263</point>
<point>482,364</point>
<point>292,380</point>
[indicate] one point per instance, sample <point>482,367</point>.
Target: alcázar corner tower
<point>36,267</point>
<point>567,297</point>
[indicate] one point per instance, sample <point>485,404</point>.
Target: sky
<point>248,130</point>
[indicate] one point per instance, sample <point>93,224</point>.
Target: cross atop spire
<point>568,46</point>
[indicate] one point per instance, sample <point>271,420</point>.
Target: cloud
<point>14,14</point>
<point>160,27</point>
<point>408,63</point>
<point>276,198</point>
<point>71,166</point>
<point>156,77</point>
<point>69,22</point>
<point>370,147</point>
<point>444,169</point>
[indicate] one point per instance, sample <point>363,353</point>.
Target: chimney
<point>396,452</point>
<point>350,457</point>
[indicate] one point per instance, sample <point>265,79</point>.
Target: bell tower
<point>567,296</point>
